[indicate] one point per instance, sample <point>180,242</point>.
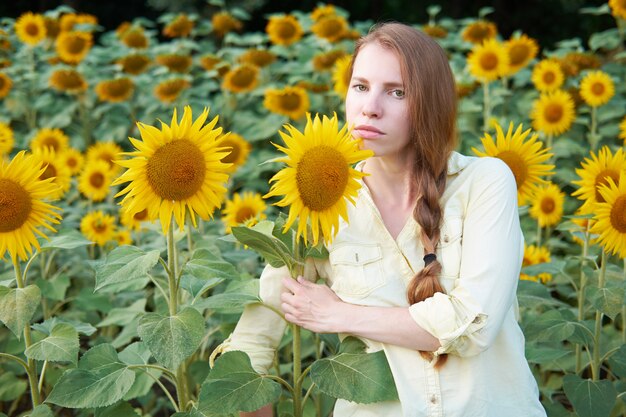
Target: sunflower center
<point>99,227</point>
<point>96,179</point>
<point>176,171</point>
<point>71,162</point>
<point>517,166</point>
<point>15,205</point>
<point>76,45</point>
<point>290,101</point>
<point>489,61</point>
<point>244,213</point>
<point>597,89</point>
<point>553,112</point>
<point>321,177</point>
<point>286,30</point>
<point>141,216</point>
<point>243,77</point>
<point>32,29</point>
<point>618,214</point>
<point>48,173</point>
<point>51,142</point>
<point>518,54</point>
<point>602,179</point>
<point>233,155</point>
<point>549,77</point>
<point>547,205</point>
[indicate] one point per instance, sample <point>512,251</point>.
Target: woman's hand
<point>312,306</point>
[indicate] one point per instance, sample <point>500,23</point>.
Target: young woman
<point>426,269</point>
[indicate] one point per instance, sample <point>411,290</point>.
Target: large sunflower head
<point>241,79</point>
<point>333,28</point>
<point>73,47</point>
<point>69,21</point>
<point>54,168</point>
<point>547,75</point>
<point>50,138</point>
<point>326,61</point>
<point>7,139</point>
<point>610,217</point>
<point>534,255</point>
<point>596,172</point>
<point>292,102</point>
<point>53,27</point>
<point>23,209</point>
<point>245,209</point>
<point>68,81</point>
<point>135,37</point>
<point>488,61</point>
<point>213,62</point>
<point>98,227</point>
<point>479,31</point>
<point>553,112</point>
<point>5,85</point>
<point>176,170</point>
<point>134,64</point>
<point>224,22</point>
<point>547,205</point>
<point>95,180</point>
<point>618,8</point>
<point>526,158</point>
<point>104,151</point>
<point>180,27</point>
<point>318,178</point>
<point>596,88</point>
<point>257,57</point>
<point>323,10</point>
<point>168,91</point>
<point>284,30</point>
<point>239,150</point>
<point>74,160</point>
<point>575,62</point>
<point>175,62</point>
<point>115,91</point>
<point>341,75</point>
<point>622,130</point>
<point>521,50</point>
<point>30,28</point>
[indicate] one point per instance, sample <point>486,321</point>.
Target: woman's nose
<point>372,107</point>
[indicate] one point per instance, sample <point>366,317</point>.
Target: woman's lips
<point>367,132</point>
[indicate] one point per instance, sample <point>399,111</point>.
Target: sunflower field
<point>142,190</point>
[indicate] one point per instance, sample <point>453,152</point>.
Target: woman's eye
<point>398,93</point>
<point>359,87</point>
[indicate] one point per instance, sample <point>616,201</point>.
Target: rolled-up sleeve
<point>468,319</point>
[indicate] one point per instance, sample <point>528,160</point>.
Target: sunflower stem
<point>31,110</point>
<point>624,310</point>
<point>538,234</point>
<point>32,366</point>
<point>171,270</point>
<point>596,362</point>
<point>84,119</point>
<point>593,138</point>
<point>581,295</point>
<point>486,107</point>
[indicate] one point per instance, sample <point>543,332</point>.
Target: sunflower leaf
<point>66,239</point>
<point>609,299</point>
<point>61,346</point>
<point>121,409</point>
<point>590,398</point>
<point>275,252</point>
<point>17,307</point>
<point>123,264</point>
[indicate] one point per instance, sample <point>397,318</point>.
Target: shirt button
<point>433,399</point>
<point>446,238</point>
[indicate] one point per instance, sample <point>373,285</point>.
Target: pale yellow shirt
<point>481,251</point>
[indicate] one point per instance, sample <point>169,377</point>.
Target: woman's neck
<point>390,181</point>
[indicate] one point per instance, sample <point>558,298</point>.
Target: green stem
<point>182,390</point>
<point>171,270</point>
<point>538,234</point>
<point>596,362</point>
<point>43,374</point>
<point>486,107</point>
<point>14,358</point>
<point>167,393</point>
<point>624,310</point>
<point>85,120</point>
<point>581,295</point>
<point>297,369</point>
<point>32,366</point>
<point>593,139</point>
<point>166,371</point>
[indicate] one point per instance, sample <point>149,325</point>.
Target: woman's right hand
<point>265,411</point>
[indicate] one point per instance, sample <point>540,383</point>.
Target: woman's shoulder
<point>482,169</point>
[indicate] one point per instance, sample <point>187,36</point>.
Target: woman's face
<point>376,104</point>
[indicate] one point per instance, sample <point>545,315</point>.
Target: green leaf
<point>204,271</point>
<point>590,398</point>
<point>138,354</point>
<point>617,361</point>
<point>123,264</point>
<point>551,326</point>
<point>359,377</point>
<point>100,380</point>
<point>172,339</point>
<point>545,354</point>
<point>47,326</point>
<point>11,387</point>
<point>61,346</point>
<point>55,288</point>
<point>608,300</point>
<point>121,409</point>
<point>233,386</point>
<point>272,249</point>
<point>122,316</point>
<point>233,300</point>
<point>42,411</point>
<point>17,307</point>
<point>66,239</point>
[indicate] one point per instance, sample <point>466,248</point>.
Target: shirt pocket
<point>357,269</point>
<point>450,247</point>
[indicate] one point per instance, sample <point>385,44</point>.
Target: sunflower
<point>284,30</point>
<point>596,88</point>
<point>239,150</point>
<point>553,112</point>
<point>134,64</point>
<point>122,237</point>
<point>7,139</point>
<point>622,130</point>
<point>323,10</point>
<point>479,31</point>
<point>22,207</point>
<point>73,47</point>
<point>258,57</point>
<point>53,167</point>
<point>5,84</point>
<point>53,27</point>
<point>73,160</point>
<point>115,91</point>
<point>547,205</point>
<point>176,170</point>
<point>575,62</point>
<point>521,51</point>
<point>135,38</point>
<point>313,87</point>
<point>488,60</point>
<point>534,255</point>
<point>292,102</point>
<point>618,8</point>
<point>180,27</point>
<point>69,21</point>
<point>333,28</point>
<point>95,180</point>
<point>595,172</point>
<point>435,31</point>
<point>525,158</point>
<point>465,89</point>
<point>319,177</point>
<point>98,227</point>
<point>342,75</point>
<point>175,62</point>
<point>104,151</point>
<point>326,61</point>
<point>209,61</point>
<point>169,90</point>
<point>547,75</point>
<point>241,79</point>
<point>244,209</point>
<point>68,81</point>
<point>50,138</point>
<point>224,22</point>
<point>30,28</point>
<point>133,220</point>
<point>610,216</point>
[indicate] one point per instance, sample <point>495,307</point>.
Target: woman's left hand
<point>312,306</point>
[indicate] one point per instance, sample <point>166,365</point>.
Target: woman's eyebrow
<point>390,84</point>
